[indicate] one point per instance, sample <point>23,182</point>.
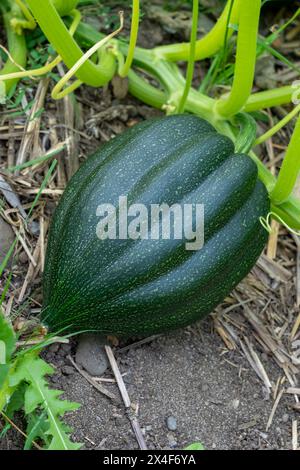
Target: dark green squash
<point>140,287</point>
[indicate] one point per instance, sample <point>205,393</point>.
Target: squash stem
<point>28,22</point>
<point>271,98</point>
<point>49,66</point>
<point>18,50</point>
<point>289,171</point>
<point>123,72</point>
<point>245,60</point>
<point>59,91</point>
<point>191,62</point>
<point>60,38</point>
<point>207,46</point>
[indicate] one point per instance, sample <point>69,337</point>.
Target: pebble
<point>68,370</point>
<point>23,258</point>
<point>172,423</point>
<point>235,403</point>
<point>7,237</point>
<point>65,349</point>
<point>285,418</point>
<point>91,354</point>
<point>204,388</point>
<point>171,441</point>
<point>53,348</point>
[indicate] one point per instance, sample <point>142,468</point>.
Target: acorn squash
<point>126,286</point>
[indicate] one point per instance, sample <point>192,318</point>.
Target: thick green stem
<point>26,22</point>
<point>207,46</point>
<point>18,50</point>
<point>270,98</point>
<point>290,169</point>
<point>145,92</point>
<point>173,83</point>
<point>60,38</point>
<point>50,65</point>
<point>191,62</point>
<point>245,60</point>
<point>123,72</point>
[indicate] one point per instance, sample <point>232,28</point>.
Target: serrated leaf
<point>2,352</point>
<point>32,370</point>
<point>16,401</point>
<point>7,340</point>
<point>2,92</point>
<point>4,369</point>
<point>5,429</point>
<point>195,446</point>
<point>7,346</point>
<point>60,440</point>
<point>37,428</point>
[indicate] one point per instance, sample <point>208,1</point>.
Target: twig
<point>18,429</point>
<point>297,241</point>
<point>96,385</point>
<point>33,122</point>
<point>134,422</point>
<point>293,390</point>
<point>276,403</point>
<point>26,249</point>
<point>35,342</point>
<point>138,343</point>
<point>273,239</point>
<point>295,434</point>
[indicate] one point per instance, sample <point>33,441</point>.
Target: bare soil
<point>226,379</point>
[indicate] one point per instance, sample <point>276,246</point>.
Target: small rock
<point>68,370</point>
<point>204,388</point>
<point>6,239</point>
<point>171,441</point>
<point>285,418</point>
<point>91,354</point>
<point>119,421</point>
<point>65,349</point>
<point>172,423</point>
<point>53,348</point>
<point>235,403</point>
<point>23,258</point>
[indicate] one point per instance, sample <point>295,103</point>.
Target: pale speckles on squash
<point>145,287</point>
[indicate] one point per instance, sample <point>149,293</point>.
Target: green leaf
<point>7,340</point>
<point>2,93</point>
<point>32,370</point>
<point>37,428</point>
<point>2,352</point>
<point>247,133</point>
<point>7,347</point>
<point>16,401</point>
<point>195,446</point>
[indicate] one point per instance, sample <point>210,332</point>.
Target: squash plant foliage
<point>23,387</point>
<point>229,114</point>
<point>205,145</point>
